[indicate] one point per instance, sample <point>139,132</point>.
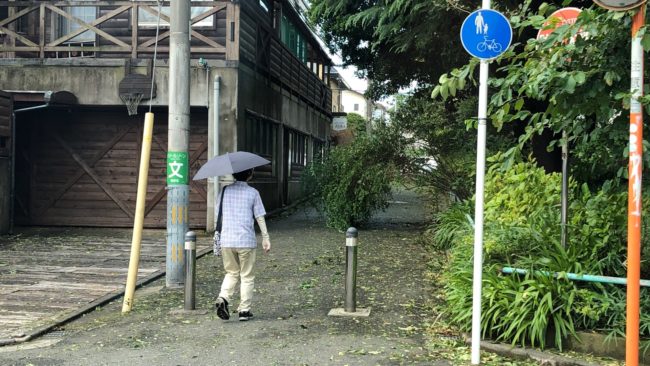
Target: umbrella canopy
<point>230,163</point>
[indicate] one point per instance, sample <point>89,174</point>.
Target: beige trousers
<point>238,263</point>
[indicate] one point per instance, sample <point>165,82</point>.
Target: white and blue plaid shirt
<point>241,205</point>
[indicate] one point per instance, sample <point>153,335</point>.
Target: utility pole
<point>178,189</point>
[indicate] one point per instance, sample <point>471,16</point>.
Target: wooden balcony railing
<point>32,28</point>
<point>126,29</point>
<point>287,69</point>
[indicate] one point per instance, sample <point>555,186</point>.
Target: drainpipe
<point>12,194</point>
<point>215,135</point>
<point>578,277</point>
<point>204,64</point>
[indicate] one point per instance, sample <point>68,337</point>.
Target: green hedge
<point>522,230</point>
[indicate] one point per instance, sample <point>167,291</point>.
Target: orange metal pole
<point>634,195</point>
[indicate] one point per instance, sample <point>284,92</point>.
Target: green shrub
<point>458,282</point>
<point>450,225</point>
<point>353,181</point>
<point>357,124</point>
<point>528,309</point>
<point>522,230</point>
<point>599,227</point>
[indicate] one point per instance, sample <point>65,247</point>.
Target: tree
<point>392,42</point>
<point>356,124</point>
<point>397,42</point>
<point>580,87</point>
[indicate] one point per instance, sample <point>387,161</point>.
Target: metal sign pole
<point>635,167</point>
<point>478,209</point>
<point>485,34</point>
<point>478,213</point>
<point>634,194</point>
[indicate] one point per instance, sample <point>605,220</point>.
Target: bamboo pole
<point>138,222</point>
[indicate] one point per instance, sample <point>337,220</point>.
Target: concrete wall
<point>96,81</point>
<point>350,98</point>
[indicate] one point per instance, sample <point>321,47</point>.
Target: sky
<point>357,84</point>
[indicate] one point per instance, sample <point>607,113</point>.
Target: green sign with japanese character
<point>177,168</point>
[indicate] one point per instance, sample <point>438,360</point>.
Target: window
<point>298,148</point>
<point>356,107</point>
<point>319,150</point>
<point>146,19</point>
<point>260,138</point>
<point>292,38</point>
<point>86,14</point>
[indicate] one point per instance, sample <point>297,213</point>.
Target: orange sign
<point>559,18</point>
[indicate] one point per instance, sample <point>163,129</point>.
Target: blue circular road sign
<point>486,34</point>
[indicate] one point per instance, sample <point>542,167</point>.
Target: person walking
<point>480,23</point>
<point>241,206</point>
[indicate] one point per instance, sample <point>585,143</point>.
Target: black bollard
<point>190,266</point>
<point>351,270</point>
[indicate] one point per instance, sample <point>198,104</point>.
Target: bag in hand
<point>216,247</point>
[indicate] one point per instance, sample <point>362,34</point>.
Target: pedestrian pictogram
<point>486,34</point>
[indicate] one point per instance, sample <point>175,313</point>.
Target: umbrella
<point>229,163</point>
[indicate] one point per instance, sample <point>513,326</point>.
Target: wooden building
<point>259,83</point>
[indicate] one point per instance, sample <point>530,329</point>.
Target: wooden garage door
<point>84,169</point>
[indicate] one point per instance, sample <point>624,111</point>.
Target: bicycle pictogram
<point>489,44</point>
<point>485,34</point>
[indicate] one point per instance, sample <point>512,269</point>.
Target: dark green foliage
<point>425,144</point>
<point>549,86</point>
<point>393,42</point>
<point>599,224</point>
<point>449,224</point>
<point>439,145</point>
<point>357,124</point>
<point>353,181</point>
<point>522,231</point>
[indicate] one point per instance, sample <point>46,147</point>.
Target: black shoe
<point>245,316</point>
<point>222,308</point>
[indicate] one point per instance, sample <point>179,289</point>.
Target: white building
<point>355,102</point>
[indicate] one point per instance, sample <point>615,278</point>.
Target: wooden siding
<point>83,170</point>
<point>247,38</point>
<point>263,51</point>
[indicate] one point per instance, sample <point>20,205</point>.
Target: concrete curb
<point>544,358</point>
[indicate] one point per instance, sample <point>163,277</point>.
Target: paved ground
<point>297,284</point>
<point>49,274</point>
